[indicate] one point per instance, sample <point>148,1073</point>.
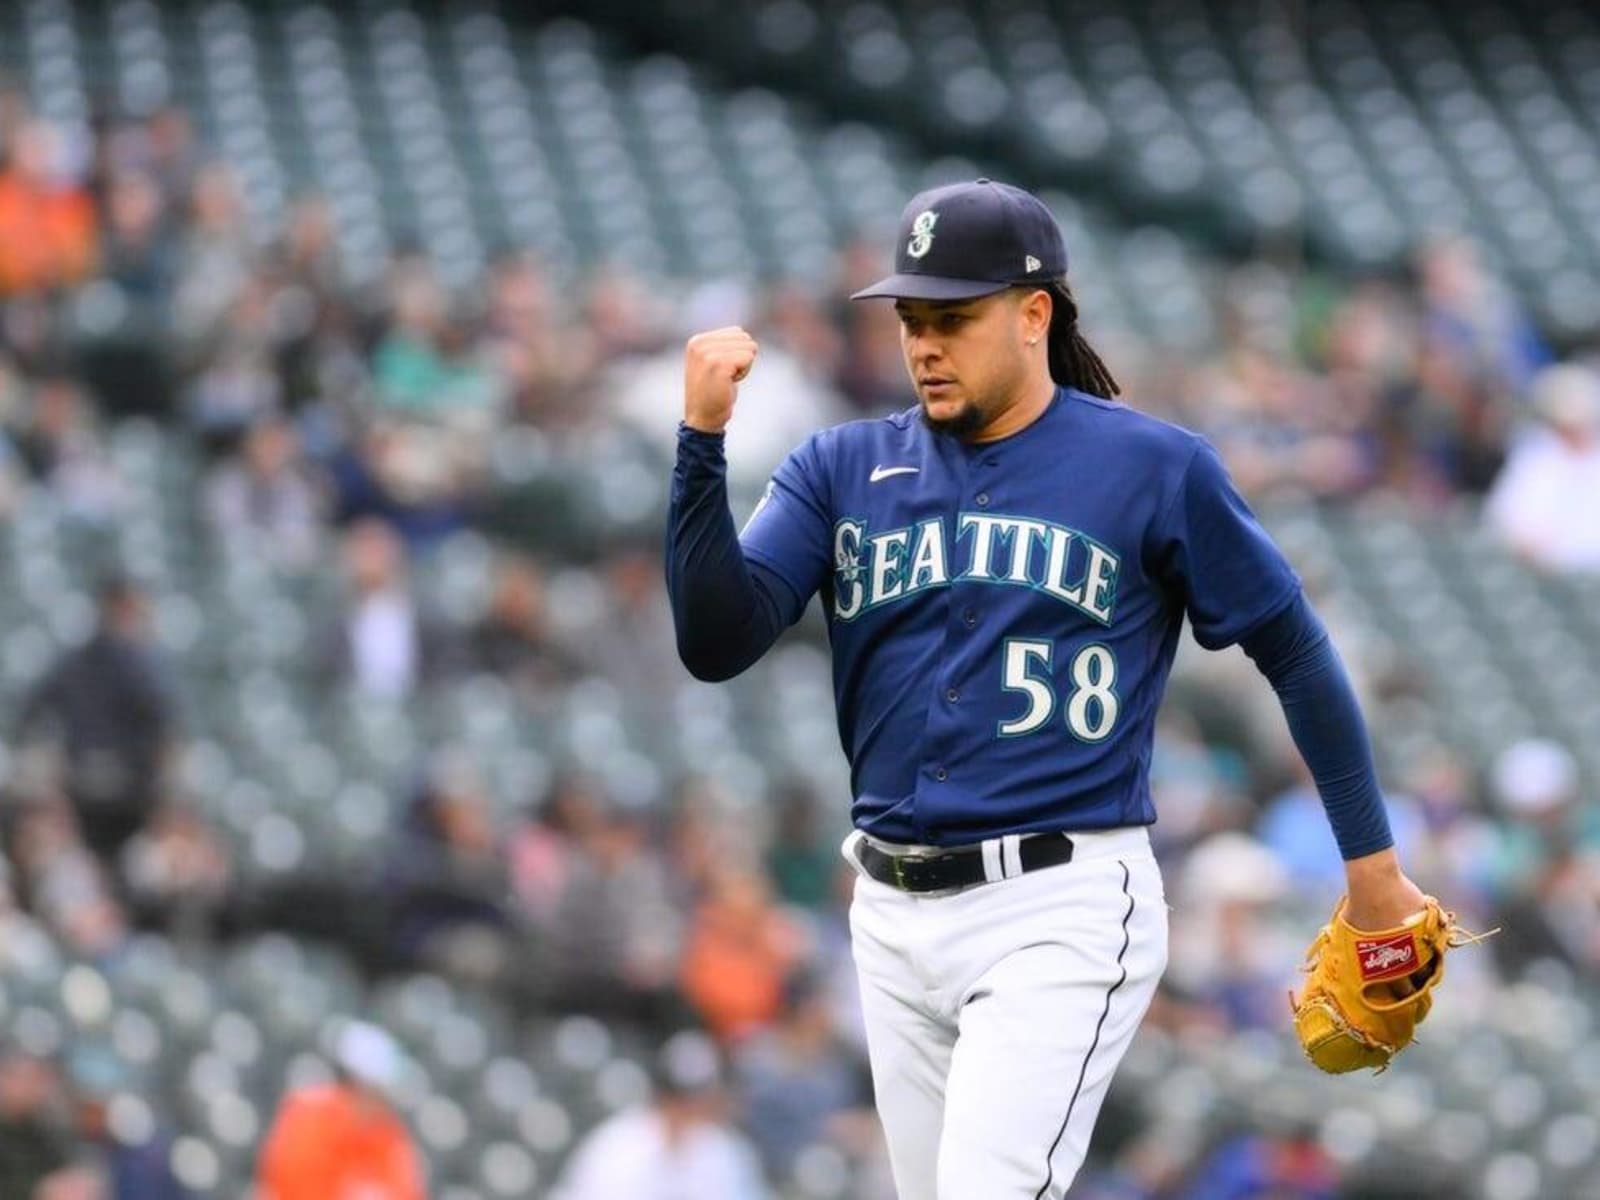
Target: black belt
<point>946,870</point>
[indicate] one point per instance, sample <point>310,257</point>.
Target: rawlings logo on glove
<point>1367,991</point>
<point>1388,957</point>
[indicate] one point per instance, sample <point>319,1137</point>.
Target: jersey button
<point>941,774</point>
<point>983,499</point>
<point>952,695</point>
<point>969,618</point>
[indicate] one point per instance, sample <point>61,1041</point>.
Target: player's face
<point>965,358</point>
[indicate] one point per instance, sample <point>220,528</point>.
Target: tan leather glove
<point>1367,991</point>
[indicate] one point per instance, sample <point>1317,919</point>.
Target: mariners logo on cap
<point>922,233</point>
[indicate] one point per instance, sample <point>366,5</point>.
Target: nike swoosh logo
<point>883,472</point>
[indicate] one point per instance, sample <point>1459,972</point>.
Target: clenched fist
<point>714,363</point>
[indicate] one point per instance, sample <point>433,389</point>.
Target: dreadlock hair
<point>1073,362</point>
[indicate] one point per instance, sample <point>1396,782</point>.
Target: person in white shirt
<point>678,1147</point>
<point>380,644</point>
<point>1546,502</point>
<point>264,498</point>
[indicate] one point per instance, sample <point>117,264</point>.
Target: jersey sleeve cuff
<point>689,435</point>
<point>1241,630</point>
<point>1371,844</point>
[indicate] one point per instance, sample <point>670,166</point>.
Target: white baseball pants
<point>996,1016</point>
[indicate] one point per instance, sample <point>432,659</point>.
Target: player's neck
<point>1023,411</point>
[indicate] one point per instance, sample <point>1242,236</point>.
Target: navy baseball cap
<point>966,240</point>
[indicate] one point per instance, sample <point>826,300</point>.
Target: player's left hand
<point>1381,896</point>
<point>1367,989</point>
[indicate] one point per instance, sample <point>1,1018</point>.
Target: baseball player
<point>1005,568</point>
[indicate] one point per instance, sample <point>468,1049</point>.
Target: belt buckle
<point>897,868</point>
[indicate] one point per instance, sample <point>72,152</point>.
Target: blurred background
<point>360,828</point>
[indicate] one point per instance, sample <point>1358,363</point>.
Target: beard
<point>969,418</point>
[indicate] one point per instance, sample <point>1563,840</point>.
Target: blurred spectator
<point>109,705</point>
<point>612,929</point>
<point>63,883</point>
<point>740,949</point>
<point>36,1133</point>
<point>178,871</point>
<point>162,146</point>
<point>800,324</point>
<point>1364,356</point>
<point>137,253</point>
<point>234,380</point>
<point>1550,881</point>
<point>11,917</point>
<point>1226,956</point>
<point>1467,311</point>
<point>317,331</point>
<point>308,255</point>
<point>119,1131</point>
<point>624,319</point>
<point>74,1183</point>
<point>804,855</point>
<point>513,638</point>
<point>14,469</point>
<point>266,500</point>
<point>422,479</point>
<point>447,879</point>
<point>170,152</point>
<point>216,256</point>
<point>62,447</point>
<point>406,363</point>
<point>1457,419</point>
<point>425,366</point>
<point>829,958</point>
<point>116,337</point>
<point>545,852</point>
<point>344,1139</point>
<point>1251,1165</point>
<point>382,644</point>
<point>421,452</point>
<point>47,221</point>
<point>1280,429</point>
<point>700,836</point>
<point>678,1146</point>
<point>630,641</point>
<point>529,345</point>
<point>1546,503</point>
<point>798,1082</point>
<point>871,371</point>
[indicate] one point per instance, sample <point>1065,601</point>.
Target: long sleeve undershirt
<point>1296,655</point>
<point>728,611</point>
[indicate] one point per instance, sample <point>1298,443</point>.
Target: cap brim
<point>929,287</point>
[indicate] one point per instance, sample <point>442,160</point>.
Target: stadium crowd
<point>353,430</point>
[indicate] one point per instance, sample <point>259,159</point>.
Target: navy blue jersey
<point>1004,615</point>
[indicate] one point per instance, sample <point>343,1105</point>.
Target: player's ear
<point>1033,311</point>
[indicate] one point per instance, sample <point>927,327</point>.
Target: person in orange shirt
<point>47,225</point>
<point>343,1140</point>
<point>740,949</point>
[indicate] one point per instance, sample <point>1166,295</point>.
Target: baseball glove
<point>1368,991</point>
